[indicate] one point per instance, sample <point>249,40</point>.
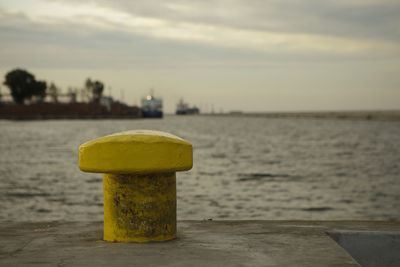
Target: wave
<point>266,176</point>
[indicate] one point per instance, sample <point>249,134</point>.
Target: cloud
<point>374,19</point>
<point>86,45</point>
<point>195,33</point>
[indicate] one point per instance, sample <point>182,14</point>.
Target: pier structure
<point>207,243</point>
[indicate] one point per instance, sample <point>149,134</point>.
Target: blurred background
<point>292,107</point>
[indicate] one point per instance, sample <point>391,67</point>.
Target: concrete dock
<point>206,243</point>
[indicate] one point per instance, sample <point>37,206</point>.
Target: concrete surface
<point>199,243</point>
<point>371,248</point>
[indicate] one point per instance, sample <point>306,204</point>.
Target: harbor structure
<point>152,107</point>
<point>183,108</point>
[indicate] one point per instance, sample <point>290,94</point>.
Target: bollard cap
<point>136,151</point>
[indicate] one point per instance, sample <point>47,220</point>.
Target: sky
<point>249,55</point>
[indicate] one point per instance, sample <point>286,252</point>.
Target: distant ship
<point>183,108</point>
<point>152,107</point>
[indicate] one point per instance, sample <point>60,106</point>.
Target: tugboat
<point>152,107</point>
<point>183,108</point>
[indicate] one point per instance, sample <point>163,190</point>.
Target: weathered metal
<point>139,182</point>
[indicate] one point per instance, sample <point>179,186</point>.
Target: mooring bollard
<point>139,182</point>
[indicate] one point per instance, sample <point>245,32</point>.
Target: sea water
<point>244,168</point>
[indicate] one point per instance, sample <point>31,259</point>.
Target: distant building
<point>183,108</point>
<point>6,99</point>
<point>107,102</point>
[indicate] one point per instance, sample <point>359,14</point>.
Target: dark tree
<point>88,87</point>
<point>23,85</point>
<point>98,88</point>
<point>94,89</point>
<point>39,90</point>
<point>53,92</point>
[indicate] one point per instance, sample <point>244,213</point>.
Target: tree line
<point>24,86</point>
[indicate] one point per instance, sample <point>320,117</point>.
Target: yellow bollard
<point>139,182</point>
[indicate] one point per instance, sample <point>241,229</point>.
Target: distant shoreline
<point>389,115</point>
<point>68,111</point>
<point>68,117</point>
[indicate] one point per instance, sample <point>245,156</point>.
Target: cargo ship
<point>183,108</point>
<point>152,107</point>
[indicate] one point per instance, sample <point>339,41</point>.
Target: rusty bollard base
<point>139,208</point>
<point>139,182</point>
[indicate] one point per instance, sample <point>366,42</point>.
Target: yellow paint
<point>136,152</point>
<point>139,182</point>
<point>139,208</point>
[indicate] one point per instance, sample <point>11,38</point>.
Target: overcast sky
<point>245,55</point>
